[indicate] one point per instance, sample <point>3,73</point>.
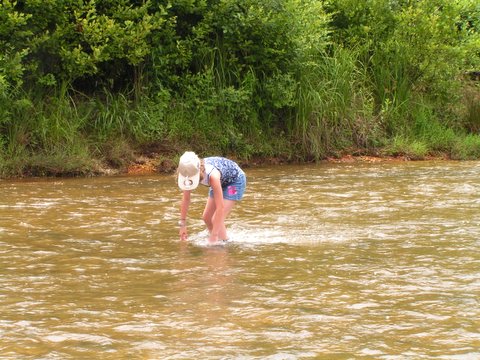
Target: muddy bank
<point>147,165</point>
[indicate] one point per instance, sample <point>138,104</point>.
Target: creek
<point>344,261</point>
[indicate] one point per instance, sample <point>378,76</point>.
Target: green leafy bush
<point>303,79</point>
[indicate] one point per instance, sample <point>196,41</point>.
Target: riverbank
<point>148,165</point>
<point>122,158</point>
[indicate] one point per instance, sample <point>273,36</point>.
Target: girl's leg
<point>227,208</point>
<point>208,213</point>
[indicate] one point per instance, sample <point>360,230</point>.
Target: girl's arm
<point>219,218</point>
<point>183,215</point>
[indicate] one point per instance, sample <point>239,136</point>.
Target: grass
<point>412,149</point>
<point>333,106</point>
<point>51,164</point>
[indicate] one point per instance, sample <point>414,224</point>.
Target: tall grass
<point>471,102</point>
<point>45,138</point>
<point>335,109</point>
<point>341,103</point>
<point>220,108</point>
<point>349,103</point>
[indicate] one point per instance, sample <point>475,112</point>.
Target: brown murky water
<point>335,261</point>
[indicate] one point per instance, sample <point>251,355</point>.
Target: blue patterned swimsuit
<point>232,177</point>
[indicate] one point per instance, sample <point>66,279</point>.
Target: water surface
<point>330,261</point>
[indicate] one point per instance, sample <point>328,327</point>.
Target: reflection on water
<point>330,261</point>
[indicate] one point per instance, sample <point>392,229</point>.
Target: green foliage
<point>335,111</point>
<point>471,106</point>
<point>102,35</point>
<point>71,40</point>
<point>256,33</point>
<point>293,78</point>
<point>409,148</point>
<point>466,148</point>
<point>212,117</point>
<point>74,162</point>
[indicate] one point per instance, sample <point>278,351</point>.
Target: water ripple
<point>346,261</point>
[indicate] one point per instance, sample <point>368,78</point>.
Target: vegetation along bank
<point>90,85</point>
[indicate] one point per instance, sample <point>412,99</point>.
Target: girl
<point>227,183</point>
